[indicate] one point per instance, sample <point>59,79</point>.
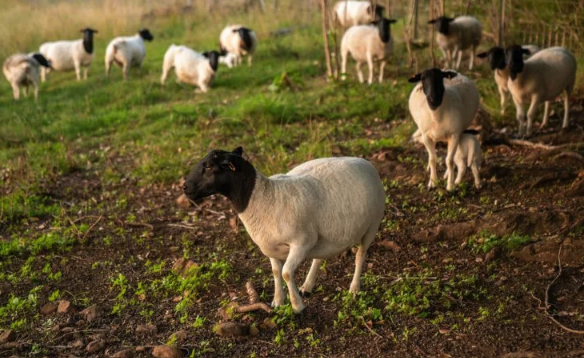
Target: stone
<point>95,346</point>
<point>78,344</point>
<point>7,336</point>
<point>90,313</point>
<point>126,353</point>
<point>146,328</point>
<point>166,352</point>
<point>180,336</point>
<point>49,308</point>
<point>64,307</point>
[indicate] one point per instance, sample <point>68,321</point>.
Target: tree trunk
<point>501,22</point>
<point>415,19</point>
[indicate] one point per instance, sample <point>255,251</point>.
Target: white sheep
<point>456,36</point>
<point>443,105</point>
<point>367,43</point>
<point>69,55</point>
<point>496,59</point>
<point>23,70</point>
<point>541,78</point>
<point>352,13</point>
<point>317,210</point>
<point>239,41</point>
<point>229,59</point>
<point>190,66</point>
<point>127,51</point>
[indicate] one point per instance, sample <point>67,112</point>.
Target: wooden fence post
<point>501,22</point>
<point>327,53</point>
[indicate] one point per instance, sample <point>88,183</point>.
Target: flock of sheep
<point>323,207</point>
<point>24,70</point>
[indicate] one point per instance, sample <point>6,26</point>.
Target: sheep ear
<point>392,21</point>
<point>415,78</point>
<point>482,55</point>
<point>433,21</point>
<point>235,31</point>
<point>238,151</point>
<point>227,165</point>
<point>526,51</point>
<point>449,74</point>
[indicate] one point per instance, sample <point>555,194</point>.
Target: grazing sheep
<point>23,70</point>
<point>229,59</point>
<point>456,36</point>
<point>496,58</point>
<point>69,55</point>
<point>190,66</point>
<point>541,78</point>
<point>443,105</point>
<point>317,210</point>
<point>352,13</point>
<point>127,51</point>
<point>239,41</point>
<point>367,43</point>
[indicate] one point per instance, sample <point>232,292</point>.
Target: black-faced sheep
<point>239,41</point>
<point>127,51</point>
<point>23,70</point>
<point>317,210</point>
<point>352,13</point>
<point>456,36</point>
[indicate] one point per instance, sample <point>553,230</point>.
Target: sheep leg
<point>472,56</point>
<point>546,114</point>
<point>503,99</point>
<point>530,115</point>
<point>15,91</point>
<point>108,65</point>
<point>359,72</point>
<point>43,74</point>
<point>431,148</point>
<point>310,281</point>
<point>78,71</point>
<point>36,91</point>
<point>566,110</point>
<point>26,90</point>
<point>461,171</point>
<point>381,69</point>
<point>249,60</point>
<point>370,66</point>
<point>360,258</point>
<point>296,255</point>
<point>448,56</point>
<point>520,115</point>
<point>126,69</point>
<point>452,147</point>
<point>459,53</point>
<point>344,55</point>
<point>475,172</point>
<point>85,72</point>
<point>279,295</point>
<point>203,87</point>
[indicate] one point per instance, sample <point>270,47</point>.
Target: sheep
<point>541,78</point>
<point>496,58</point>
<point>442,110</point>
<point>317,210</point>
<point>457,35</point>
<point>229,59</point>
<point>69,55</point>
<point>190,66</point>
<point>240,41</point>
<point>468,154</point>
<point>352,13</point>
<point>367,43</point>
<point>23,70</point>
<point>127,51</point>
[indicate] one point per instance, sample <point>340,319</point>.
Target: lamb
<point>239,41</point>
<point>496,58</point>
<point>69,55</point>
<point>23,70</point>
<point>443,105</point>
<point>190,66</point>
<point>353,13</point>
<point>317,210</point>
<point>367,43</point>
<point>127,51</point>
<point>541,78</point>
<point>456,36</point>
<point>468,154</point>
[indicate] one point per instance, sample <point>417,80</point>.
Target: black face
<point>443,24</point>
<point>496,56</point>
<point>42,60</point>
<point>433,85</point>
<point>245,35</point>
<point>213,57</point>
<point>514,56</point>
<point>222,172</point>
<point>146,35</point>
<point>88,39</point>
<point>384,29</point>
<point>378,12</point>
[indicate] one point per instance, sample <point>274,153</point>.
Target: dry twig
<point>369,328</point>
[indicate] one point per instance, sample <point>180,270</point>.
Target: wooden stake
<point>415,19</point>
<point>431,40</point>
<point>501,22</point>
<point>468,4</point>
<point>327,54</point>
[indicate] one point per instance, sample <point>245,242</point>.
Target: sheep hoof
<point>305,294</point>
<point>298,308</point>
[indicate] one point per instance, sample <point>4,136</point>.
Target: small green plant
<point>54,296</point>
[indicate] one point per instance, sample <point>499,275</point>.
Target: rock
<point>183,202</point>
<point>48,308</point>
<point>269,324</point>
<point>90,313</point>
<point>166,352</point>
<point>7,336</point>
<point>140,349</point>
<point>78,344</point>
<point>126,353</point>
<point>547,251</point>
<point>231,329</point>
<point>65,307</point>
<point>183,266</point>
<point>95,346</point>
<point>390,245</point>
<point>179,336</point>
<point>146,328</point>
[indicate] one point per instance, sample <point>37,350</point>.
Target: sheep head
<point>433,85</point>
<point>443,24</point>
<point>514,56</point>
<point>383,26</point>
<point>42,60</point>
<point>496,58</point>
<point>213,57</point>
<point>225,173</point>
<point>378,11</point>
<point>146,35</point>
<point>88,39</point>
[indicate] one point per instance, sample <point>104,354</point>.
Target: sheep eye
<point>207,166</point>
